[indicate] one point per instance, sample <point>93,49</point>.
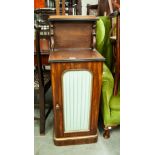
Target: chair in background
<point>41,21</point>
<point>42,82</point>
<point>108,38</point>
<point>112,10</point>
<point>103,43</point>
<point>108,44</point>
<point>110,107</point>
<point>42,46</point>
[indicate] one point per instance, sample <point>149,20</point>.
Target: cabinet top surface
<point>72,18</point>
<point>75,55</point>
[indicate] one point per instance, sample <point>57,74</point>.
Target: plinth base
<point>75,140</point>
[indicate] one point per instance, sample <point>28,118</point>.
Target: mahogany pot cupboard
<point>76,75</point>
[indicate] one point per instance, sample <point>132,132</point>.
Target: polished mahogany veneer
<point>76,74</point>
<point>75,55</point>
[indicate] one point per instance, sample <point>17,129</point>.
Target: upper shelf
<point>73,18</point>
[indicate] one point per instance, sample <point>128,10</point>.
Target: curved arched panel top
<point>77,93</point>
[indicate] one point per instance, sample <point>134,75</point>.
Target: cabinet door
<point>76,95</point>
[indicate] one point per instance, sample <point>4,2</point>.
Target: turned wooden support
<point>94,36</point>
<point>52,37</point>
<point>57,2</point>
<point>63,7</point>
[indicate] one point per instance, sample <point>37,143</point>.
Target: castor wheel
<point>106,134</point>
